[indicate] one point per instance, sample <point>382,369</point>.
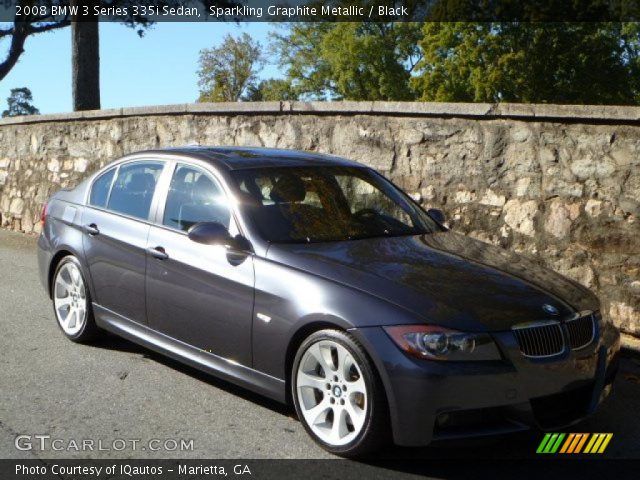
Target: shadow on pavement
<point>113,342</point>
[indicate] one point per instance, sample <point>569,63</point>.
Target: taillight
<point>43,214</point>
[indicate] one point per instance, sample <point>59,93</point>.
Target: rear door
<point>116,224</point>
<point>199,294</point>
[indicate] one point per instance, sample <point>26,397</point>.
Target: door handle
<point>158,252</point>
<point>92,229</point>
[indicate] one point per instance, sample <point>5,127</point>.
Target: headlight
<point>438,343</point>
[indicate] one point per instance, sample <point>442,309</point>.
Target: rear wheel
<point>338,396</point>
<point>72,302</point>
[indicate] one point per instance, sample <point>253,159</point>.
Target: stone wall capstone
<point>557,183</point>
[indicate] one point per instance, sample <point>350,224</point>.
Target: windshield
<point>323,204</point>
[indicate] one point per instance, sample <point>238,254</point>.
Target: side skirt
<point>229,370</point>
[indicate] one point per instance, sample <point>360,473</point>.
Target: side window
<point>194,197</point>
<point>133,188</point>
<point>100,189</point>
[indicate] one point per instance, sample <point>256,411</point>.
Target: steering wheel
<point>365,213</point>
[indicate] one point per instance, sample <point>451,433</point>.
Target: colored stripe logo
<point>574,443</point>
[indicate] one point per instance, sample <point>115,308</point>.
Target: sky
<point>157,69</point>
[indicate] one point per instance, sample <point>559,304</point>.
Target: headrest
<point>288,188</point>
<point>140,183</point>
<point>181,175</point>
<point>203,189</point>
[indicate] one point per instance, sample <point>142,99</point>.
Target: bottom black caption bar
<point>85,469</point>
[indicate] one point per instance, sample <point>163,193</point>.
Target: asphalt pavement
<point>116,392</point>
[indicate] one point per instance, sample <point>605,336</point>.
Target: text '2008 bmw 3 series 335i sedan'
<point>314,280</point>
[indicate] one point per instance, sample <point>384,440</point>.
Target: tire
<point>72,302</point>
<point>330,370</point>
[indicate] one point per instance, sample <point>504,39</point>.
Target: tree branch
<point>20,34</point>
<point>49,26</point>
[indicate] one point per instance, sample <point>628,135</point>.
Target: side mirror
<point>437,215</point>
<point>214,233</point>
<point>210,233</point>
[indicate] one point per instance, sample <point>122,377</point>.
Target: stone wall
<point>558,183</point>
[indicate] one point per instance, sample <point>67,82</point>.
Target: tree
<point>85,38</point>
<point>271,90</point>
<point>20,30</point>
<point>298,53</point>
<point>351,61</point>
<point>529,62</point>
<point>19,103</point>
<point>227,71</point>
<point>85,61</point>
<point>85,43</point>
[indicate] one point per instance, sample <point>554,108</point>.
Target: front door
<point>199,294</point>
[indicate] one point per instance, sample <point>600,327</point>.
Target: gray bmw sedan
<point>314,280</point>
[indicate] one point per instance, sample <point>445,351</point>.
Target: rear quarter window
<point>100,189</point>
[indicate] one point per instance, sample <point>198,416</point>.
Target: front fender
<point>291,302</point>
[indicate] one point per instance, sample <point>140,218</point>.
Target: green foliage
<point>19,103</point>
<point>351,61</point>
<point>228,70</point>
<point>594,63</point>
<point>584,63</point>
<point>271,90</point>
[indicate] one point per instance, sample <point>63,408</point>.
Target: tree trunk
<point>85,64</point>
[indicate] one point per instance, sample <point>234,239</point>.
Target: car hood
<point>443,278</point>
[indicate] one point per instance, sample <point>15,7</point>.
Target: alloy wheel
<point>332,393</point>
<point>70,299</point>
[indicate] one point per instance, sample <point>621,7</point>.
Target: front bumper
<point>432,400</point>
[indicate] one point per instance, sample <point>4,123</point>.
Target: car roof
<point>236,158</point>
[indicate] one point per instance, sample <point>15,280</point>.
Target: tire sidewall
<point>87,314</point>
<point>365,366</point>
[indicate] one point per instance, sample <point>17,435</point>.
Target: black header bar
<point>146,11</point>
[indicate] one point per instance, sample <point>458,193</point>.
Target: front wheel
<point>72,302</point>
<point>338,396</point>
